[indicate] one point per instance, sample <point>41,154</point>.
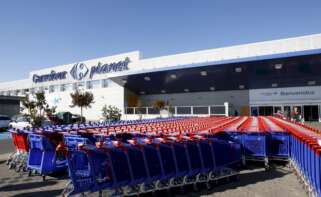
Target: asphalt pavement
<point>254,182</point>
<point>6,146</point>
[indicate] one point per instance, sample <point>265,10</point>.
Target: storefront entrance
<point>266,111</point>
<point>308,112</point>
<point>311,112</point>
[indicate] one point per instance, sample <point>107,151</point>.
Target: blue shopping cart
<point>227,157</point>
<point>43,157</point>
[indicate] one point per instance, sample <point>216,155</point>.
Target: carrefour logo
<point>79,71</point>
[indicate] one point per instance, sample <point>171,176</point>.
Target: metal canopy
<point>301,70</point>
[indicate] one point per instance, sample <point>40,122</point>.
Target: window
<point>89,85</point>
<point>74,86</point>
<point>21,119</point>
<point>66,87</point>
<point>105,83</point>
<point>32,90</point>
<point>93,84</point>
<point>13,93</point>
<point>79,85</point>
<point>4,118</point>
<point>53,88</point>
<point>40,89</point>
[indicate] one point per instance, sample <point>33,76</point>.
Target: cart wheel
<point>182,190</point>
<point>18,169</point>
<point>11,165</point>
<point>195,188</point>
<point>168,192</point>
<point>208,185</point>
<point>243,161</point>
<point>25,169</point>
<point>100,193</point>
<point>68,189</point>
<point>8,161</point>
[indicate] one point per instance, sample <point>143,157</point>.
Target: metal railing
<point>181,110</point>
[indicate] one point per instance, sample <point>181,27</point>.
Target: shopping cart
<point>18,160</point>
<point>278,140</point>
<point>227,157</point>
<point>43,157</point>
<point>81,173</point>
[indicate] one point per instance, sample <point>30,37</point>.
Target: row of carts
<point>261,139</point>
<point>133,157</point>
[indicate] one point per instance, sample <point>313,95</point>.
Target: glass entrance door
<point>266,111</point>
<point>311,113</point>
<point>287,111</point>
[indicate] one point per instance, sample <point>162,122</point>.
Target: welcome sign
<point>285,95</point>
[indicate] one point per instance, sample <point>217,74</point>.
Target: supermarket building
<point>258,79</point>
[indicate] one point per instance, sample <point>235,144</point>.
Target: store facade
<point>255,79</point>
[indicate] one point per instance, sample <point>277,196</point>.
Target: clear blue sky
<point>37,34</point>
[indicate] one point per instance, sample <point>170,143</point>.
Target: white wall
<point>112,95</point>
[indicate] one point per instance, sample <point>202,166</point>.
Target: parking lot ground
<point>255,182</point>
<point>6,146</point>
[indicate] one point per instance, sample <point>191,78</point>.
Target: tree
<point>36,108</point>
<point>111,113</point>
<point>82,100</point>
<point>159,105</point>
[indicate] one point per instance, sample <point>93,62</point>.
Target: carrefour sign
<point>52,76</point>
<point>80,71</point>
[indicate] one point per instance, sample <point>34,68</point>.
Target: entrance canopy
<point>281,70</point>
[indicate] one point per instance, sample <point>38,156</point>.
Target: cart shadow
<point>249,177</point>
<point>26,186</point>
<point>2,162</point>
<point>56,192</point>
<point>245,179</point>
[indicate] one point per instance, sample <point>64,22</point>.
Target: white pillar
<point>226,108</point>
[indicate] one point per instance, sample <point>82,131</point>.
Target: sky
<point>37,34</point>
